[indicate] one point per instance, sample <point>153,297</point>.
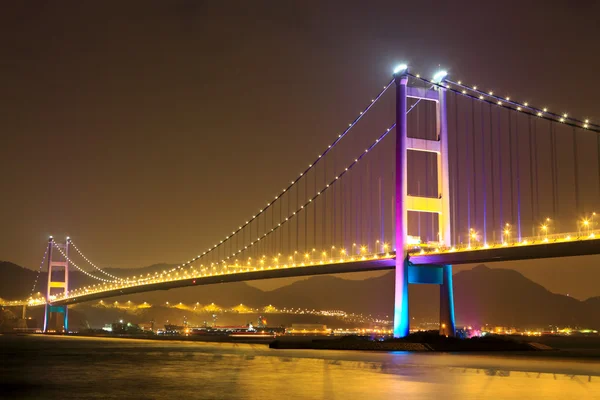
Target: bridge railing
<point>474,245</point>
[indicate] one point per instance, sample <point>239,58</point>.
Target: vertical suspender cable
<point>576,173</point>
<point>532,206</point>
<point>518,155</point>
<point>315,213</point>
<point>483,176</point>
<point>334,209</point>
<point>305,214</point>
<point>279,248</point>
<point>468,178</point>
<point>598,157</point>
<point>556,173</point>
<point>553,170</point>
<point>370,205</point>
<point>297,218</point>
<point>380,206</point>
<point>360,208</point>
<point>418,212</point>
<point>493,176</point>
<point>381,203</point>
<point>535,167</point>
<point>426,166</point>
<point>324,221</point>
<point>289,212</point>
<point>427,172</point>
<point>270,246</point>
<point>350,214</point>
<point>254,249</point>
<point>455,174</point>
<point>473,158</point>
<point>324,213</point>
<point>343,221</point>
<point>500,188</point>
<point>510,168</point>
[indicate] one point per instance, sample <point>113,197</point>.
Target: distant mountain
<point>505,297</point>
<point>16,282</point>
<point>482,295</point>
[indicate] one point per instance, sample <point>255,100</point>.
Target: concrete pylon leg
<point>447,324</point>
<point>66,319</point>
<point>401,314</point>
<point>401,317</point>
<point>46,318</point>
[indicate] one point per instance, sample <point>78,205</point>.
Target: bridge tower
<point>56,285</point>
<point>406,273</point>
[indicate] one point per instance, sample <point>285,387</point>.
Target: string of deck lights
<point>39,272</point>
<point>310,167</point>
<point>283,221</point>
<point>89,262</point>
<point>323,190</point>
<point>77,266</point>
<point>291,185</point>
<point>532,241</point>
<point>524,108</point>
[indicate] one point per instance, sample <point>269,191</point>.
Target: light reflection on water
<point>36,367</point>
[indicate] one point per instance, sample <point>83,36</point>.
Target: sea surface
<point>58,367</point>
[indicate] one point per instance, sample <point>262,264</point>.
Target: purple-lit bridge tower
<point>58,284</point>
<point>405,273</point>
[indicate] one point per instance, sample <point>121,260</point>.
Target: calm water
<point>37,367</point>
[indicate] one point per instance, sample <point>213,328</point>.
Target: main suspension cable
<point>78,267</point>
<point>37,276</point>
<point>302,174</point>
<point>314,197</point>
<point>89,262</point>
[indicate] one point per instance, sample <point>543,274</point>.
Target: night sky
<point>147,130</point>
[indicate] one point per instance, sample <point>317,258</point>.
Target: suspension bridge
<point>459,175</point>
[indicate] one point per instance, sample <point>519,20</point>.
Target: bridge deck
<point>448,257</point>
<point>512,253</point>
<point>357,266</point>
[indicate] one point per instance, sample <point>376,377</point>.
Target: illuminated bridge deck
<point>547,247</point>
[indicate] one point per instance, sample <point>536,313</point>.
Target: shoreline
<point>586,355</point>
<point>353,343</point>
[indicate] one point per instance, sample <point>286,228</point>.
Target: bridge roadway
<point>473,256</point>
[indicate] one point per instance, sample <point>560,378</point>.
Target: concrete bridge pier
<point>447,324</point>
<point>54,324</point>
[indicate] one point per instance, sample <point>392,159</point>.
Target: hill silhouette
<point>482,295</point>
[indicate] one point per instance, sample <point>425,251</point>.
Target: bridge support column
<point>55,325</point>
<point>56,283</point>
<point>447,324</point>
<point>401,314</point>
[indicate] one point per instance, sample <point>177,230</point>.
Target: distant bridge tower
<point>56,285</point>
<point>406,273</point>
